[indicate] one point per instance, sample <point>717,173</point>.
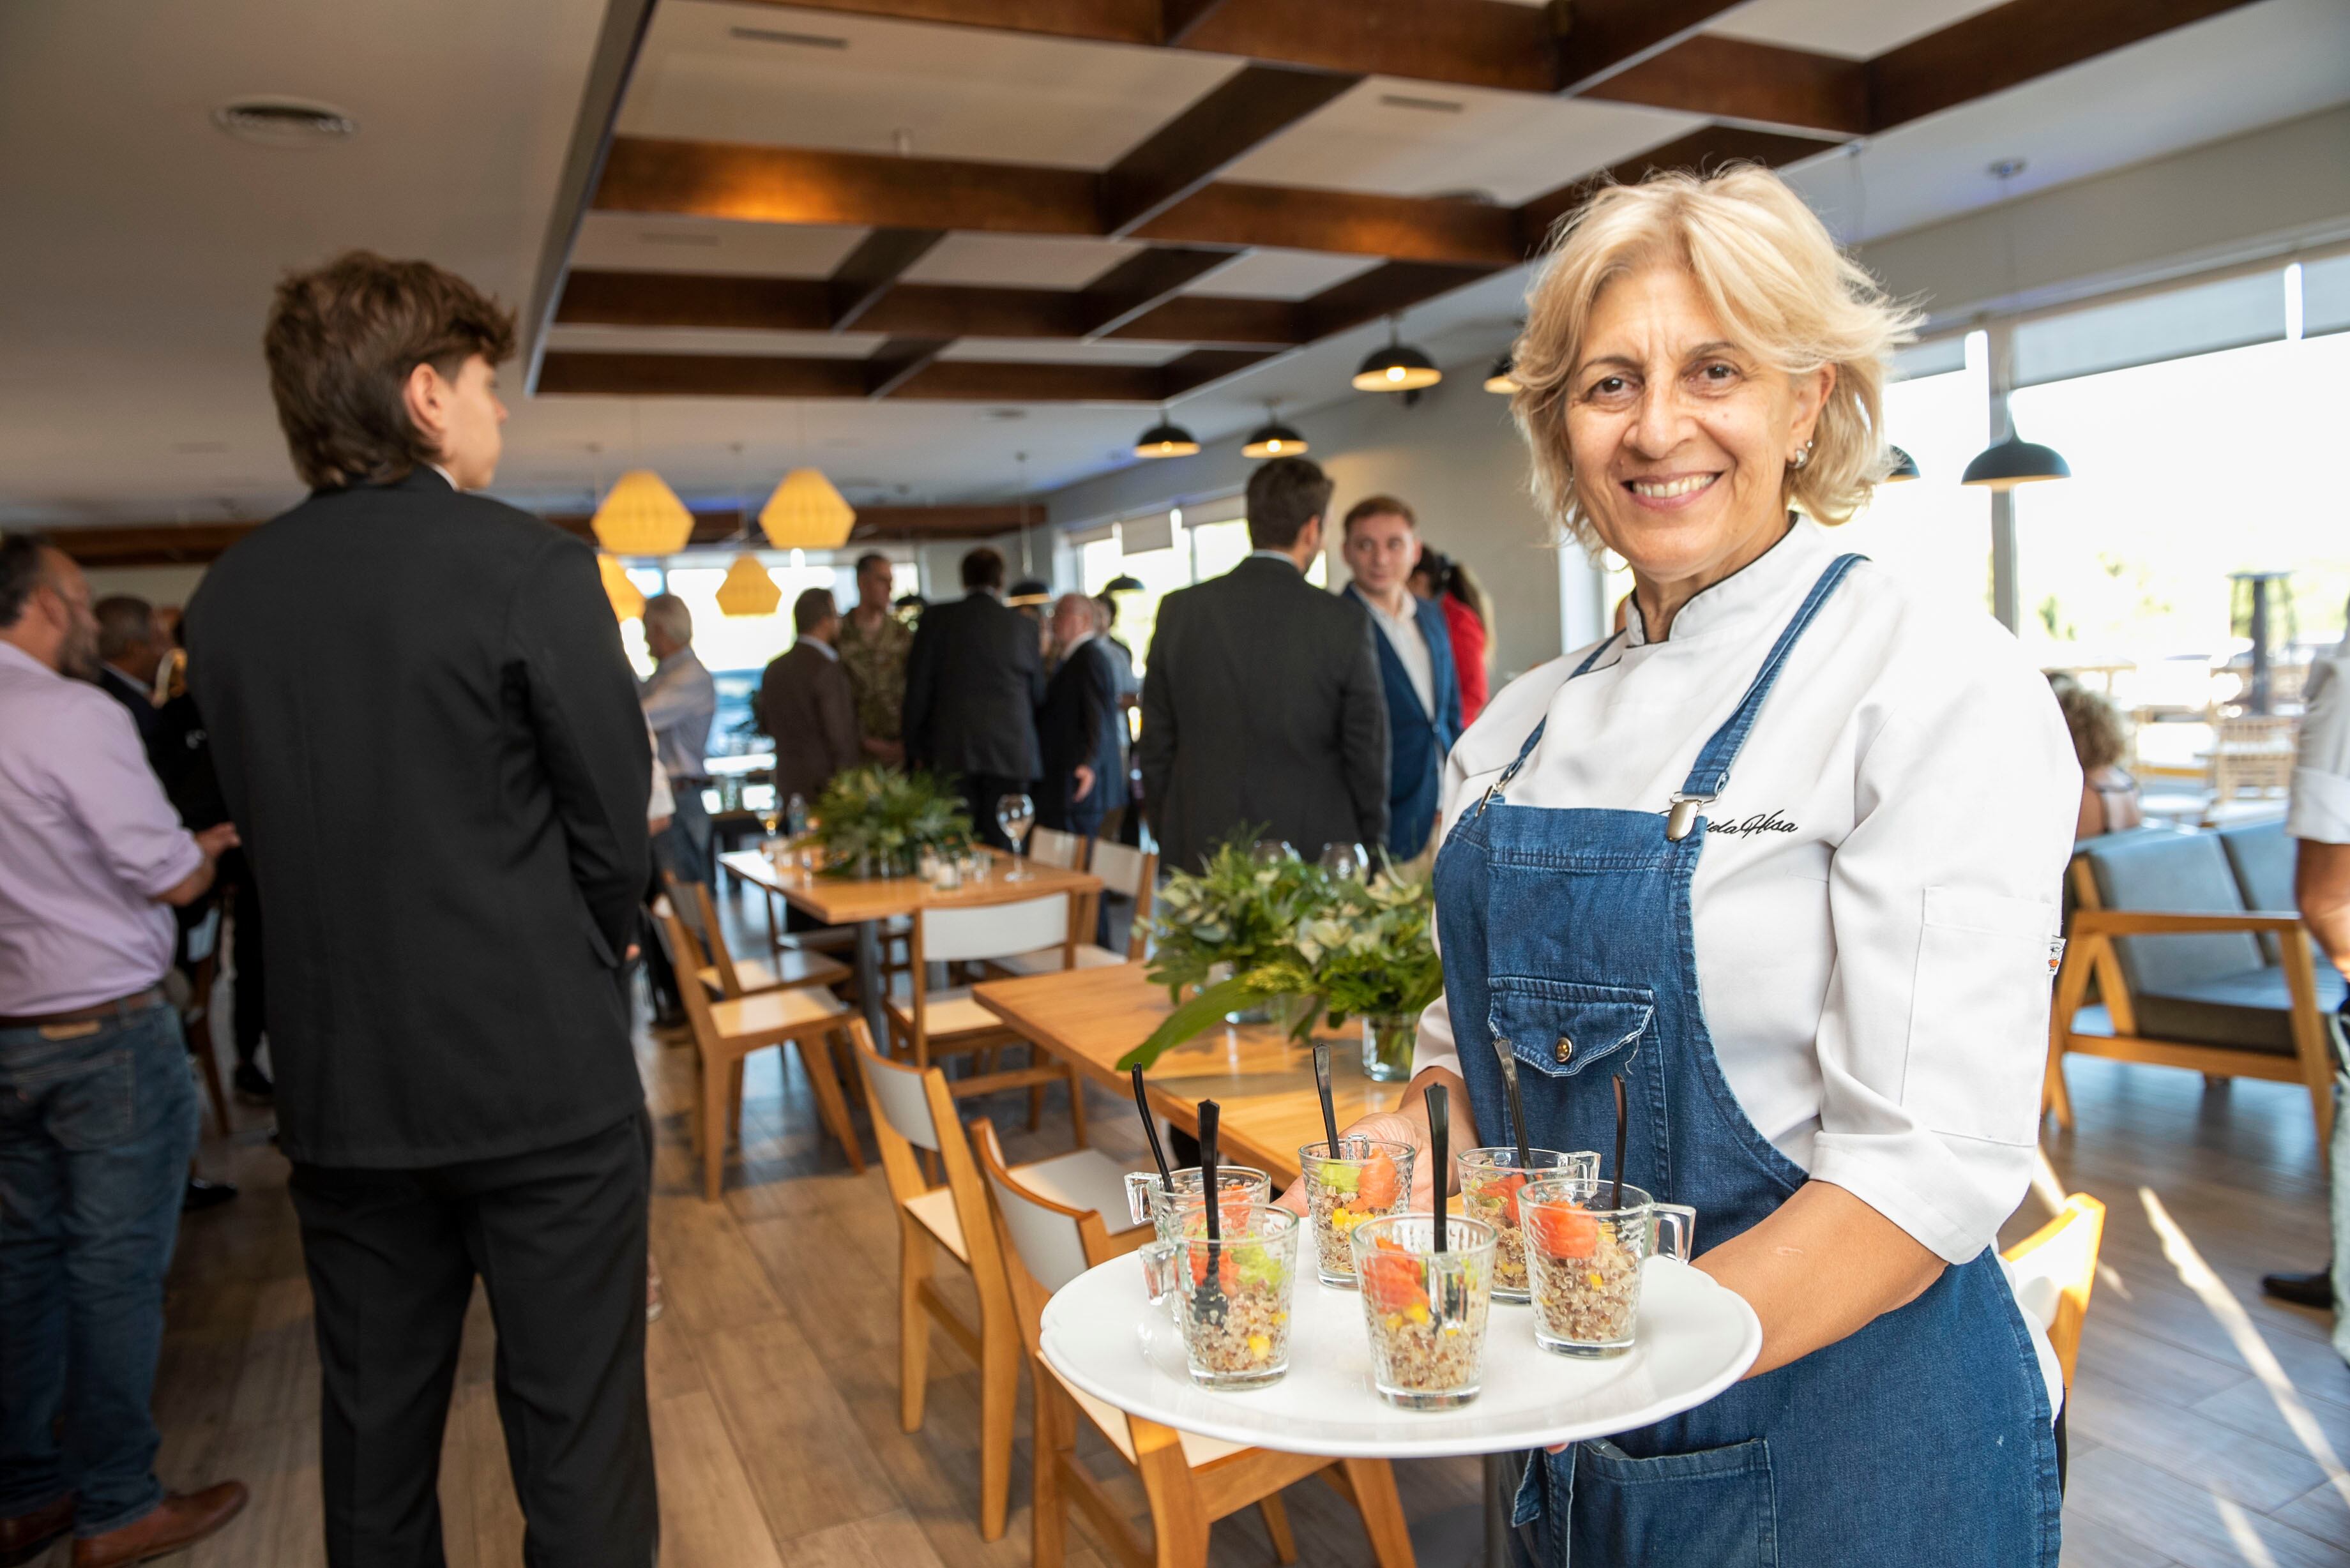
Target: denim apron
<point>1923,1439</point>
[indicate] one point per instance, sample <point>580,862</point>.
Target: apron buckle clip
<point>1681,816</point>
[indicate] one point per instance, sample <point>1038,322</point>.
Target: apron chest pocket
<point>1562,1027</point>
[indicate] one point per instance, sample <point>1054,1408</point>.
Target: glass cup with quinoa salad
<point>1584,1246</point>
<point>1361,1178</point>
<point>1230,1296</point>
<point>1425,1309</point>
<point>1490,1182</point>
<point>1161,1205</point>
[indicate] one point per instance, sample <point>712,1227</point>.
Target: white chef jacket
<point>2321,767</point>
<point>1879,889</point>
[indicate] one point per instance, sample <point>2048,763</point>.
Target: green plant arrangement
<point>875,821</point>
<point>1355,948</point>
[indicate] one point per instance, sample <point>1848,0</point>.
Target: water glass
<point>1584,1246</point>
<point>1016,813</point>
<point>1171,1207</point>
<point>1362,1179</point>
<point>1426,1310</point>
<point>1345,862</point>
<point>1230,1298</point>
<point>1491,1181</point>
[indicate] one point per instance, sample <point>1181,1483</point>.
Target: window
<point>1933,531</point>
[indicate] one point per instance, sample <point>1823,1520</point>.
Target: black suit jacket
<point>973,678</point>
<point>133,696</point>
<point>1262,706</point>
<point>430,744</point>
<point>1078,724</point>
<point>807,706</point>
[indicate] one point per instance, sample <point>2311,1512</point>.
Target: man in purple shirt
<point>98,1116</point>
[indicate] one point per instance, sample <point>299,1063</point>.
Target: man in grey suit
<point>1261,701</point>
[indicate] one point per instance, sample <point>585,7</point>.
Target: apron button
<point>1565,1048</point>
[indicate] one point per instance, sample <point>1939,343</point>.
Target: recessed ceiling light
<point>285,121</point>
<point>776,35</point>
<point>1433,105</point>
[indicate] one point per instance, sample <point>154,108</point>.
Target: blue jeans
<point>97,1122</point>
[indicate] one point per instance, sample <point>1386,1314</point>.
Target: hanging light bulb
<point>806,512</point>
<point>1905,467</point>
<point>2013,461</point>
<point>1273,439</point>
<point>628,599</point>
<point>1166,439</point>
<point>642,515</point>
<point>748,589</point>
<point>1499,380</point>
<point>1397,367</point>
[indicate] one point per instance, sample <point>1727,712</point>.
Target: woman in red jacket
<point>1467,618</point>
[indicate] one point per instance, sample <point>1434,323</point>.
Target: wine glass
<point>1016,813</point>
<point>1272,851</point>
<point>1345,862</point>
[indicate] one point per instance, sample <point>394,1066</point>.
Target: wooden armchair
<point>2053,1271</point>
<point>2183,974</point>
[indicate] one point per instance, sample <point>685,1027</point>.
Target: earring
<point>1801,457</point>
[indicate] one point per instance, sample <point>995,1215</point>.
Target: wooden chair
<point>726,1032</point>
<point>1127,871</point>
<point>913,1109</point>
<point>926,1024</point>
<point>725,976</point>
<point>2186,984</point>
<point>1190,1481</point>
<point>1051,846</point>
<point>2054,1270</point>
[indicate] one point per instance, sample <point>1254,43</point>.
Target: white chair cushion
<point>1082,1178</point>
<point>1048,961</point>
<point>946,1013</point>
<point>936,1211</point>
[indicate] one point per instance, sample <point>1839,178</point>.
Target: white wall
<point>159,586</point>
<point>1454,457</point>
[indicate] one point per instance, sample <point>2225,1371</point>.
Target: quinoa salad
<point>1243,1332</point>
<point>1420,1345</point>
<point>1340,1195</point>
<point>1587,1282</point>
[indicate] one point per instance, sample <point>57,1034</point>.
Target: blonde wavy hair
<point>1778,286</point>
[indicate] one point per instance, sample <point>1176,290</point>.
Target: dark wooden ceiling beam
<point>2012,44</point>
<point>1599,39</point>
<point>1707,149</point>
<point>1141,283</point>
<point>1347,222</point>
<point>1246,110</point>
<point>958,310</point>
<point>1383,291</point>
<point>571,372</point>
<point>1178,19</point>
<point>593,298</point>
<point>899,360</point>
<point>867,273</point>
<point>1215,318</point>
<point>1729,78</point>
<point>807,185</point>
<point>1471,43</point>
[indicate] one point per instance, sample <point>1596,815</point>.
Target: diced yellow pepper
<point>1259,1345</point>
<point>1419,1314</point>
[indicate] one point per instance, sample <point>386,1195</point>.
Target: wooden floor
<point>2206,1425</point>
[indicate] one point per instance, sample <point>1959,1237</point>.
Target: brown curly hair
<point>2099,741</point>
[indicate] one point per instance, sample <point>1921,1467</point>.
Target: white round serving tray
<point>1696,1338</point>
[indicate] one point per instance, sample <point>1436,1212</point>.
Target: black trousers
<point>244,944</point>
<point>557,1237</point>
<point>979,793</point>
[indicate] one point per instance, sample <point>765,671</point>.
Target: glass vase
<point>1388,1040</point>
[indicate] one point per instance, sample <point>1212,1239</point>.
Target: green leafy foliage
<point>1352,948</point>
<point>875,821</point>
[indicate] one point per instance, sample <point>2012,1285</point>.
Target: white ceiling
<point>142,243</point>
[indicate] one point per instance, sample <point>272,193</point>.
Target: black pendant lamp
<point>1905,467</point>
<point>2013,461</point>
<point>1166,439</point>
<point>1500,379</point>
<point>1123,584</point>
<point>1397,367</point>
<point>1273,439</point>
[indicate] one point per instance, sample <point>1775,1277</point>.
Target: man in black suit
<point>1261,700</point>
<point>805,703</point>
<point>973,682</point>
<point>129,651</point>
<point>1077,727</point>
<point>428,737</point>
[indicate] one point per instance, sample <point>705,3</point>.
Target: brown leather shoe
<point>179,1520</point>
<point>29,1535</point>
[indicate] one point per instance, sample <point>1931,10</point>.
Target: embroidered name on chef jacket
<point>1747,827</point>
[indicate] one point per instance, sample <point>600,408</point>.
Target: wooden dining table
<point>862,903</point>
<point>1261,1080</point>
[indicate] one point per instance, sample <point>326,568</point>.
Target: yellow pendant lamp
<point>806,512</point>
<point>627,600</point>
<point>642,515</point>
<point>748,590</point>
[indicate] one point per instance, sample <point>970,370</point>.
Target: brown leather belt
<point>137,1002</point>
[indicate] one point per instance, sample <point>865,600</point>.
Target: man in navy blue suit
<point>1382,546</point>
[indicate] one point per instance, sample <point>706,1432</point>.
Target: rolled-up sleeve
<point>1943,900</point>
<point>102,777</point>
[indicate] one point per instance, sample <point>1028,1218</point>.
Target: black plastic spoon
<point>1517,1115</point>
<point>1616,1199</point>
<point>1150,1131</point>
<point>1322,1087</point>
<point>1208,1301</point>
<point>1440,1140</point>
